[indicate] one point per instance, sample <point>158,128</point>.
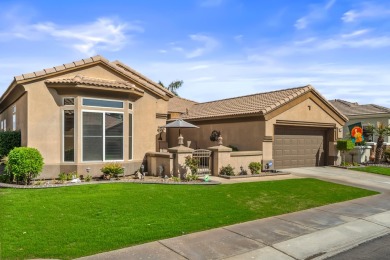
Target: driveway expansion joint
<point>160,242</point>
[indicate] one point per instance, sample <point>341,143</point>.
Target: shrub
<point>345,146</point>
<point>387,154</point>
<point>62,177</point>
<point>234,148</point>
<point>255,167</point>
<point>193,164</point>
<point>113,169</point>
<point>24,163</point>
<point>8,141</point>
<point>88,178</point>
<point>226,170</point>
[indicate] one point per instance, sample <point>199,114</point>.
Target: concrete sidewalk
<point>310,234</point>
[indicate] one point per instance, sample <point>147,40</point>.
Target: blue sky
<point>219,48</point>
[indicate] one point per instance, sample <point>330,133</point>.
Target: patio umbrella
<point>180,123</point>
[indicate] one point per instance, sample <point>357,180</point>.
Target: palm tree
<point>173,86</point>
<point>381,130</point>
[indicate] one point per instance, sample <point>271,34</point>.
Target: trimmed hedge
<point>8,141</point>
<point>345,145</point>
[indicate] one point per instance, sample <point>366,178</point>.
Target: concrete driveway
<point>369,181</point>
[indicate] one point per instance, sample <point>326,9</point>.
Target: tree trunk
<point>379,149</point>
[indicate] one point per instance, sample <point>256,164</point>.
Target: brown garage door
<point>298,147</point>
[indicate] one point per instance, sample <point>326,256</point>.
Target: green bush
<point>255,167</point>
<point>8,141</point>
<point>113,169</point>
<point>88,178</point>
<point>62,177</point>
<point>345,145</point>
<point>24,163</point>
<point>192,163</point>
<point>226,170</point>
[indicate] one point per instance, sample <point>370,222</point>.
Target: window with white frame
<point>14,118</point>
<point>5,124</point>
<point>102,136</point>
<point>68,141</point>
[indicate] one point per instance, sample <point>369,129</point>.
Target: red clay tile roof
<point>351,109</point>
<point>261,103</point>
<point>80,79</point>
<point>116,65</point>
<point>179,104</point>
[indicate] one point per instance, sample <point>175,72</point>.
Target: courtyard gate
<point>203,157</point>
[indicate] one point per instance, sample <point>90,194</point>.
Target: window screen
<point>92,136</point>
<point>68,135</point>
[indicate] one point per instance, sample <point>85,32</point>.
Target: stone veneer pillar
<point>179,156</point>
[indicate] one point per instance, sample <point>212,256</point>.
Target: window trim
<point>63,136</point>
<point>104,135</point>
<point>104,99</point>
<point>132,137</point>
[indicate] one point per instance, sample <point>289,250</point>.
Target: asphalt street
<point>376,249</point>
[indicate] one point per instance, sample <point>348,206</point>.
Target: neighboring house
<point>85,113</point>
<point>293,127</point>
<point>366,114</point>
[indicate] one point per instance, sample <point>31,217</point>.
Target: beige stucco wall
<point>44,108</point>
<point>368,120</point>
<point>238,159</point>
<point>244,133</point>
<point>306,111</point>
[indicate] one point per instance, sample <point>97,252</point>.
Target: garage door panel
<point>301,146</point>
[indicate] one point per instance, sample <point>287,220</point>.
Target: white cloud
<point>317,13</point>
<point>355,33</point>
<point>208,45</point>
<point>102,34</point>
<point>231,78</point>
<point>199,67</point>
<point>366,11</point>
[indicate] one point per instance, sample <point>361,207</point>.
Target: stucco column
<point>179,156</point>
<point>220,157</point>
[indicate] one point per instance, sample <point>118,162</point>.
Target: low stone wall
<point>158,161</point>
<point>244,158</point>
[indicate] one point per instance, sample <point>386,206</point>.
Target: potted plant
<point>111,170</point>
<point>255,167</point>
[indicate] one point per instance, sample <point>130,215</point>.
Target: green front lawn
<point>374,169</point>
<point>75,221</point>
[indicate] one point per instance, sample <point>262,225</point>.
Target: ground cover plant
<point>374,169</point>
<point>70,222</point>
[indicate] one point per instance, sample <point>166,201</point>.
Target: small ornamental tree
<point>381,130</point>
<point>345,146</point>
<point>24,163</point>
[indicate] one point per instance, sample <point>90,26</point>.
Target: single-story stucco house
<point>82,114</point>
<point>365,114</point>
<point>292,127</point>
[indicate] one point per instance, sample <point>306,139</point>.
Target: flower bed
<point>263,174</point>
